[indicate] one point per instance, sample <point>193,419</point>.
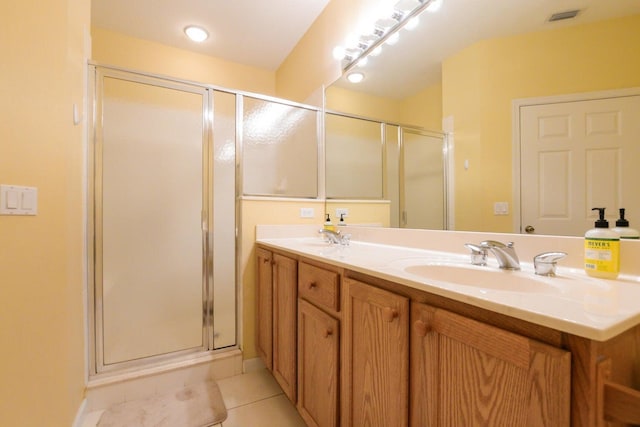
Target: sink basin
<point>482,277</point>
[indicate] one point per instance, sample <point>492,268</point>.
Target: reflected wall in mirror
<point>468,63</point>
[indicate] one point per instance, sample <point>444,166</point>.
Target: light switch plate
<point>18,200</point>
<point>501,208</point>
<point>307,212</point>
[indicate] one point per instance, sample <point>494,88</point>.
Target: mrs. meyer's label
<point>602,255</point>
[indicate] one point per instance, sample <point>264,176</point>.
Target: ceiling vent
<point>561,16</point>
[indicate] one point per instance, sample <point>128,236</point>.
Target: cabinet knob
<point>389,314</point>
<point>328,332</point>
<point>312,285</point>
<point>265,260</point>
<point>421,328</point>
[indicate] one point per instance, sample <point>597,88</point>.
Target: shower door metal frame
<point>445,171</point>
<point>94,219</point>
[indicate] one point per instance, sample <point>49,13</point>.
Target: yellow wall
<point>424,109</point>
<point>480,83</point>
<point>363,104</point>
<point>111,48</point>
<point>310,65</point>
<point>41,282</point>
<point>361,212</point>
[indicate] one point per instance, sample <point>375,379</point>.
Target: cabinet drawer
<point>319,286</point>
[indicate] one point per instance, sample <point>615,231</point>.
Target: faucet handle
<point>488,244</point>
<point>545,263</point>
<point>478,254</point>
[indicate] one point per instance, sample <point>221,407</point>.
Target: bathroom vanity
<point>393,334</point>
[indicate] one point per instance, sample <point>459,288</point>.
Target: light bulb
<point>355,77</point>
<point>412,23</point>
<point>339,53</point>
<point>363,62</point>
<point>434,6</point>
<point>393,39</point>
<point>377,51</point>
<point>197,34</point>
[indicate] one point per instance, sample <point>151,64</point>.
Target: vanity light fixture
<point>391,18</point>
<point>195,33</point>
<point>412,23</point>
<point>434,6</point>
<point>356,77</point>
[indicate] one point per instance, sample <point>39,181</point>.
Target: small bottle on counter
<point>342,222</point>
<point>623,229</point>
<point>328,225</point>
<point>602,249</point>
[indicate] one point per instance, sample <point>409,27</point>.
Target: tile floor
<point>253,399</point>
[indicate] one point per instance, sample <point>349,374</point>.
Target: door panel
<point>576,156</point>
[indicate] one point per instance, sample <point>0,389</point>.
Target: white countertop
<point>571,302</point>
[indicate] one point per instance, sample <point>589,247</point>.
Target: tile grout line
<point>255,401</point>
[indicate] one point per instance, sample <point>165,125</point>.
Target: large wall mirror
<point>475,70</point>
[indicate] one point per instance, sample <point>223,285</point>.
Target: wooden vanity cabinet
<point>376,362</point>
<point>276,294</point>
<point>318,345</point>
<point>357,350</point>
<point>467,373</point>
<point>264,306</point>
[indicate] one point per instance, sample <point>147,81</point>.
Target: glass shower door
<point>151,218</point>
<point>423,184</point>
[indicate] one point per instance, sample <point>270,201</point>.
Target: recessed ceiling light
<point>197,34</point>
<point>355,77</point>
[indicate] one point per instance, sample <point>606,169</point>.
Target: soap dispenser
<point>602,249</point>
<point>328,225</point>
<point>623,229</point>
<point>342,222</point>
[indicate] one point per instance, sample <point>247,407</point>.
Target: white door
<point>575,156</point>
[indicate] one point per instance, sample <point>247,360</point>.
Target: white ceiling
<point>263,33</point>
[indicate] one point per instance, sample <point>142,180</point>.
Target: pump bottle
<point>328,225</point>
<point>602,249</point>
<point>623,229</point>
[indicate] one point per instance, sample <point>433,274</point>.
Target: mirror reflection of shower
<point>369,160</point>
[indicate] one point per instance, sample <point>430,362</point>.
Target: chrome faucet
<point>545,263</point>
<point>505,254</point>
<point>478,254</point>
<point>336,236</point>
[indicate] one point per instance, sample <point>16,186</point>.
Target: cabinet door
<point>481,375</point>
<point>376,365</point>
<point>285,282</point>
<point>264,307</point>
<point>318,356</point>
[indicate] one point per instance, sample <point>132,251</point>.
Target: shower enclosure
<point>368,159</point>
<point>162,220</point>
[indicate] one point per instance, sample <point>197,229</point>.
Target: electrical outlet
<point>342,211</point>
<point>307,213</point>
